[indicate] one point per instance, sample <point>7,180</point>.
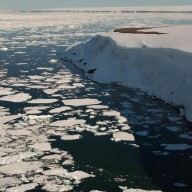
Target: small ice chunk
<point>6,91</point>
<point>56,171</point>
<point>4,49</point>
<point>68,162</point>
<point>98,107</point>
<point>53,61</point>
<point>111,113</point>
<point>20,52</point>
<point>186,136</point>
<point>21,63</point>
<point>173,129</point>
<point>20,167</point>
<point>52,187</point>
<point>67,123</point>
<point>66,86</point>
<point>43,101</point>
<point>35,119</point>
<point>16,158</point>
<point>52,157</point>
<point>19,97</point>
<point>41,146</point>
<point>59,109</point>
<point>142,133</point>
<point>36,77</point>
<point>71,137</point>
<point>180,185</point>
<point>22,188</point>
<point>79,175</point>
<point>50,91</point>
<point>45,68</point>
<point>176,147</point>
<point>8,181</point>
<point>123,136</point>
<point>139,190</point>
<point>81,102</point>
<point>125,128</point>
<point>19,132</point>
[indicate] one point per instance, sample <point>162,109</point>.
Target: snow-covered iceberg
<point>159,64</point>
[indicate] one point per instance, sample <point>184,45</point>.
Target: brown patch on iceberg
<point>137,30</point>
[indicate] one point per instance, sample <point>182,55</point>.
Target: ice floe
<point>37,119</point>
<point>22,188</point>
<point>4,49</point>
<point>19,132</point>
<point>8,181</point>
<point>59,109</point>
<point>16,158</point>
<point>140,190</point>
<point>67,123</point>
<point>43,101</point>
<point>176,147</point>
<point>19,97</point>
<point>79,175</point>
<point>98,107</point>
<point>20,167</point>
<point>123,136</point>
<point>180,185</point>
<point>53,61</point>
<point>81,102</point>
<point>70,137</point>
<point>111,113</point>
<point>41,146</point>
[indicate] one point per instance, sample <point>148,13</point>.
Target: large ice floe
<point>159,63</point>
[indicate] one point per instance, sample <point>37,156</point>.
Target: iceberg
<point>158,62</point>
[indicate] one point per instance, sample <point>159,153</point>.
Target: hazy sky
<point>40,4</point>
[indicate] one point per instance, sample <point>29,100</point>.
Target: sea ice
<point>81,102</point>
<point>19,132</point>
<point>20,167</point>
<point>35,119</point>
<point>142,133</point>
<point>180,185</point>
<point>41,146</point>
<point>19,97</point>
<point>176,147</point>
<point>123,136</point>
<point>111,113</point>
<point>70,137</point>
<point>59,109</point>
<point>56,171</point>
<point>4,49</point>
<point>67,123</point>
<point>79,175</point>
<point>22,188</point>
<point>98,106</point>
<point>8,181</point>
<point>43,101</point>
<point>53,61</point>
<point>16,158</point>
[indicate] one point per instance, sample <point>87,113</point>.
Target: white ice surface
<point>160,65</point>
<point>67,123</point>
<point>20,167</point>
<point>19,97</point>
<point>81,102</point>
<point>123,136</point>
<point>22,188</point>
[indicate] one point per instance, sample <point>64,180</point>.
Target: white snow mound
<point>160,65</point>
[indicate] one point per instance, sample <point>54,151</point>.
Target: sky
<point>43,4</point>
